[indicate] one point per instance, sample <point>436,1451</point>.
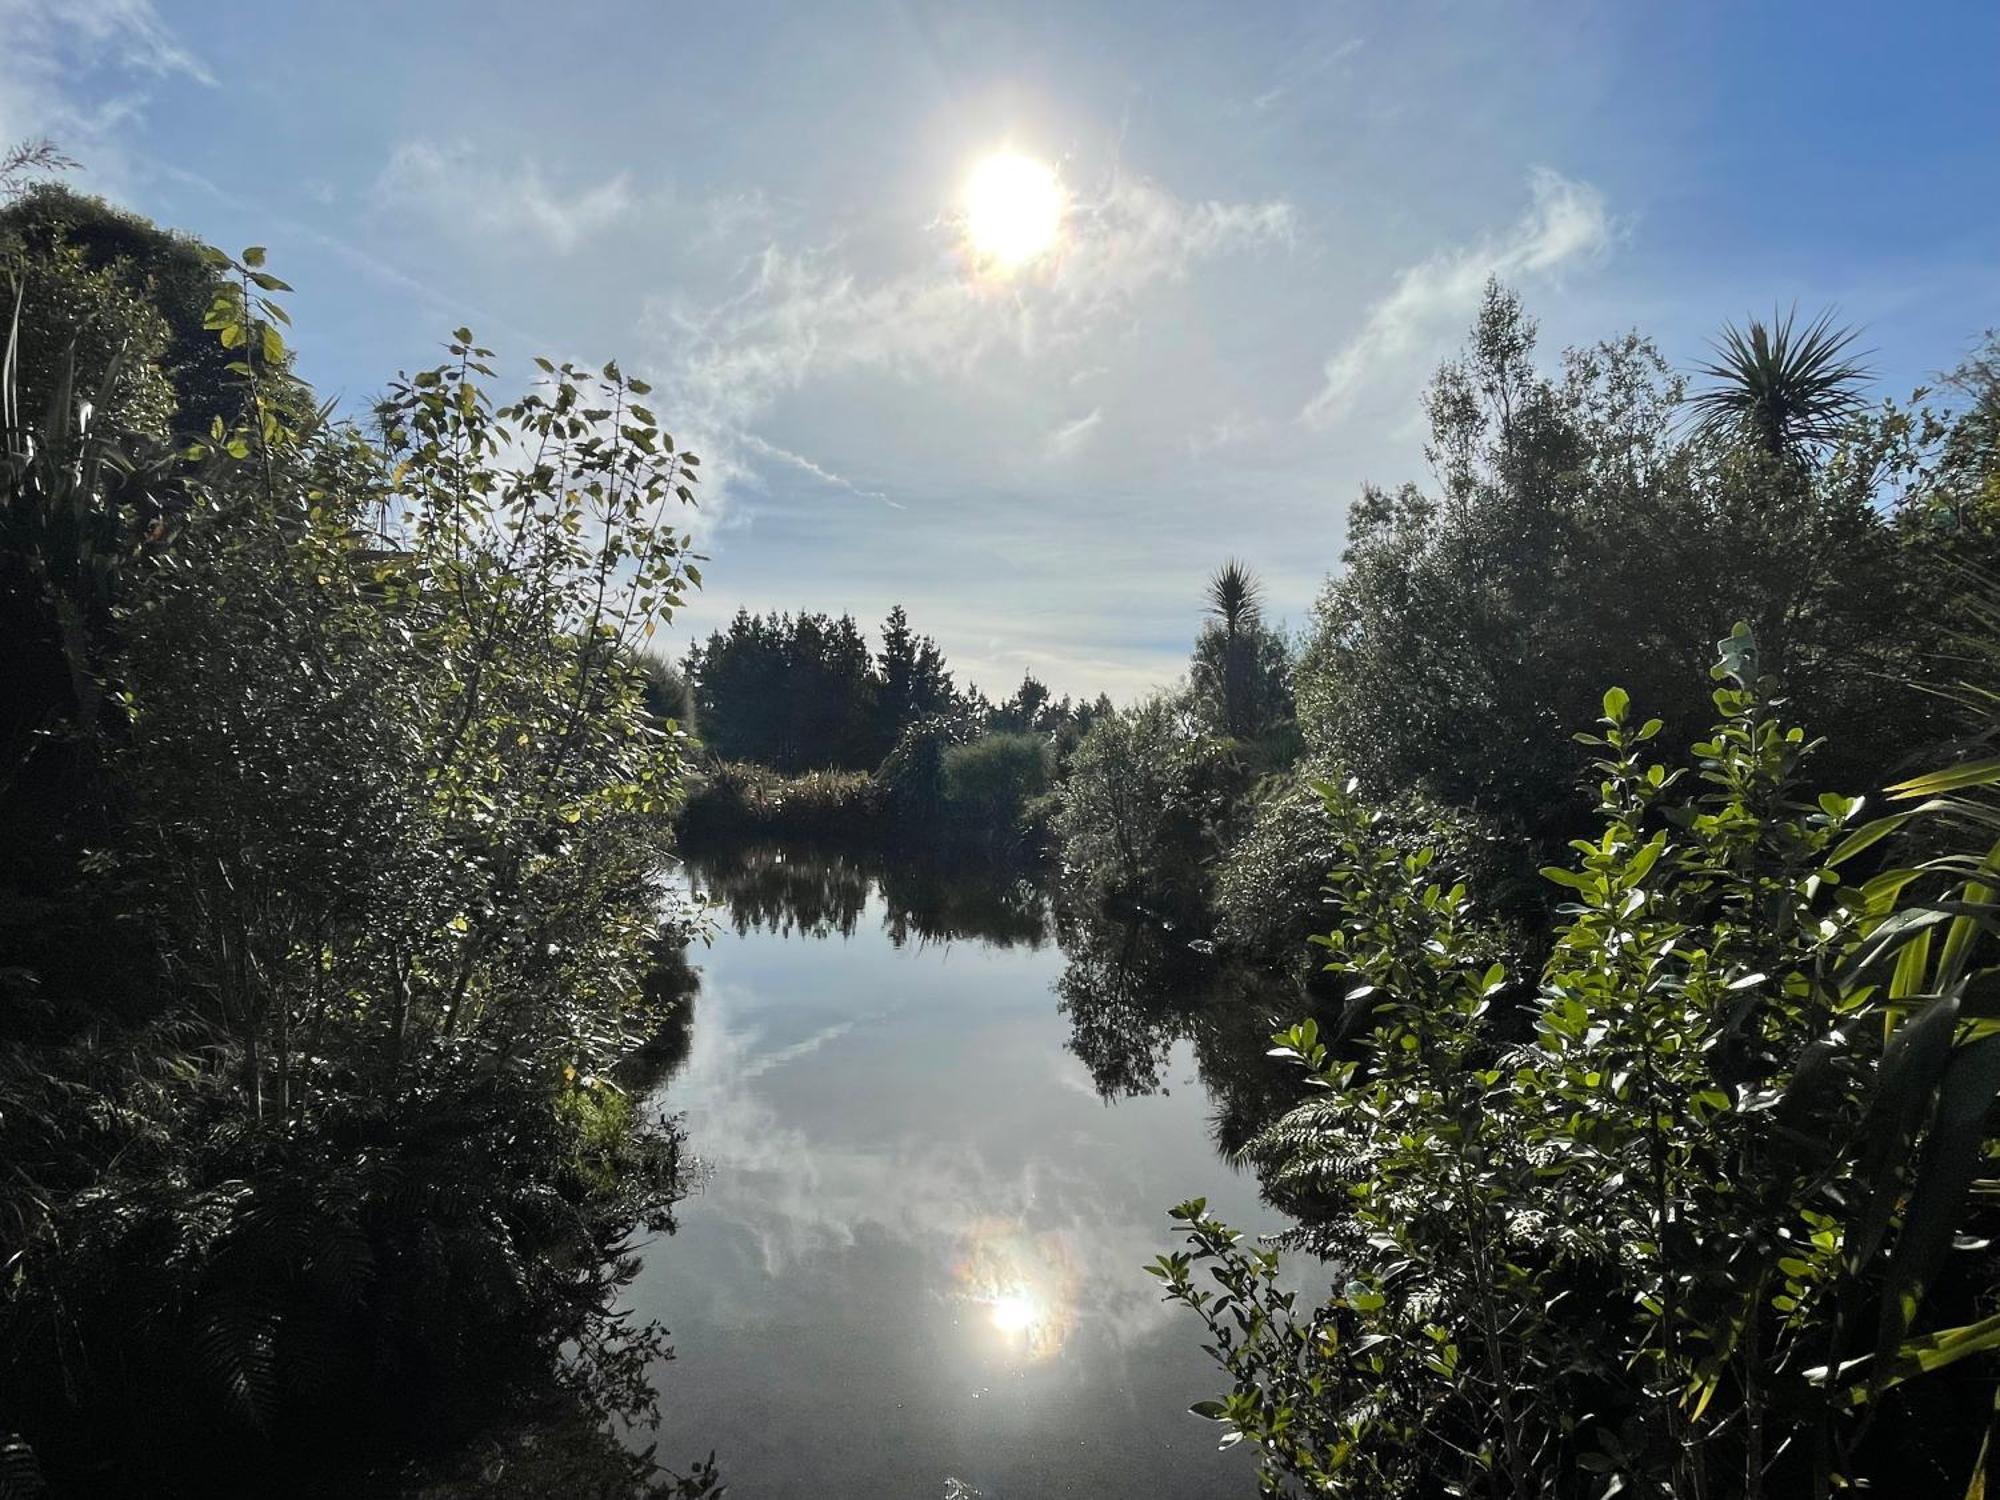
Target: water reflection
<point>825,893</point>
<point>1133,990</point>
<point>1026,1283</point>
<point>916,1254</point>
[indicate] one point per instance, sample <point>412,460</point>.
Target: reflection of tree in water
<point>817,892</point>
<point>764,888</point>
<point>1132,990</point>
<point>932,904</point>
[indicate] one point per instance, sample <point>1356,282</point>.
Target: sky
<point>1275,221</point>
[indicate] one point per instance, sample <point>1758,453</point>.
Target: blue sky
<point>1278,218</point>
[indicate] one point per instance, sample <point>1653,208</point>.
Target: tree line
<point>799,693</point>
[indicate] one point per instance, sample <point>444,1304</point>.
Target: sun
<point>1013,211</point>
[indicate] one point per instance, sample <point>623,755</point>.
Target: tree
<point>1785,390</point>
<point>1141,809</point>
<point>360,871</point>
<point>1578,533</point>
<point>913,682</point>
<point>1241,667</point>
<point>111,280</point>
<point>800,693</point>
<point>1030,710</point>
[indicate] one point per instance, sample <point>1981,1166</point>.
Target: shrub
<point>1684,1240</point>
<point>735,800</point>
<point>382,845</point>
<point>1270,885</point>
<point>1146,806</point>
<point>989,787</point>
<point>912,774</point>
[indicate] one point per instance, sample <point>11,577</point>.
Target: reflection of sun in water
<point>1024,1285</point>
<point>1013,1312</point>
<point>1013,211</point>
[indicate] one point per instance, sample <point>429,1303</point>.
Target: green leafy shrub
<point>1684,1240</point>
<point>1270,884</point>
<point>912,774</point>
<point>1146,806</point>
<point>989,788</point>
<point>361,795</point>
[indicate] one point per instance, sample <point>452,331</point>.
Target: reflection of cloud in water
<point>1041,1236</point>
<point>764,1062</point>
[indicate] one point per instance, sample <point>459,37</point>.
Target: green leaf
<point>1952,779</point>
<point>1954,1148</point>
<point>254,256</point>
<point>1911,1065</point>
<point>1866,837</point>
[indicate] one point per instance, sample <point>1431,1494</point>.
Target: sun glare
<point>1013,211</point>
<point>1012,1312</point>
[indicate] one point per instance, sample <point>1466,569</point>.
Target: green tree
<point>1788,391</point>
<point>363,860</point>
<point>1240,675</point>
<point>1579,534</point>
<point>108,281</point>
<point>913,682</point>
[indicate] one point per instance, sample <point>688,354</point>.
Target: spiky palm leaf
<point>1234,595</point>
<point>1785,388</point>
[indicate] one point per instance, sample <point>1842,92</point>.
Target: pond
<point>937,1150</point>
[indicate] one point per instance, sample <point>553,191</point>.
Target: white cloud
<point>806,315</point>
<point>1136,234</point>
<point>1566,225</point>
<point>727,218</point>
<point>1302,71</point>
<point>451,184</point>
<point>1067,438</point>
<point>818,471</point>
<point>51,48</point>
<point>1228,432</point>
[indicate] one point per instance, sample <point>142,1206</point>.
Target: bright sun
<point>1013,210</point>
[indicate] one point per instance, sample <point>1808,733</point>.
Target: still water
<point>912,1266</point>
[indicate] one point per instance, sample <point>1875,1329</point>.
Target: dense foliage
<point>335,821</point>
<point>1587,525</point>
<point>802,693</point>
<point>1711,1228</point>
<point>1583,534</point>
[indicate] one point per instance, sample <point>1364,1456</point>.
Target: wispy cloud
<point>805,315</point>
<point>1071,435</point>
<point>454,186</point>
<point>1227,432</point>
<point>1566,225</point>
<point>1310,66</point>
<point>818,471</point>
<point>51,50</point>
<point>126,33</point>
